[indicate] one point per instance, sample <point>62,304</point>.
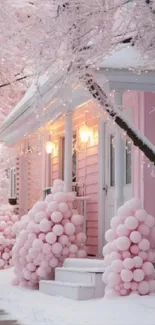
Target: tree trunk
<point>131,130</point>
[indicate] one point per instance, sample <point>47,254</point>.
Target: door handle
<point>105,188</point>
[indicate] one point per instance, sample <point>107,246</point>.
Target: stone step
<point>90,277</point>
<point>68,290</point>
<point>84,263</point>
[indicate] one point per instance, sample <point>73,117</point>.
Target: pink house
<point>85,147</point>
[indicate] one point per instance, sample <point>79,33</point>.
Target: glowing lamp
<point>84,133</point>
<point>49,147</point>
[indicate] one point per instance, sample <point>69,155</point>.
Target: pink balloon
<point>63,240</point>
<point>148,268</point>
<point>45,225</point>
<point>114,256</point>
<point>52,207</point>
<point>49,198</point>
<point>72,238</point>
<point>134,286</point>
<point>117,266</point>
<point>56,248</point>
<point>73,248</point>
<point>41,237</point>
<point>123,292</point>
<point>56,217</point>
<point>150,256</point>
<point>131,223</point>
<point>37,244</point>
<point>114,278</point>
<point>63,207</point>
<point>115,221</point>
<point>40,216</point>
<point>126,275</point>
<point>58,230</point>
<point>138,275</point>
<point>39,206</point>
<point>47,248</point>
<point>143,255</point>
<point>127,285</point>
<point>44,264</point>
<point>110,235</point>
<point>60,197</point>
<point>128,263</point>
<point>135,237</point>
<point>126,254</point>
<point>134,204</point>
<point>144,230</point>
<point>134,249</point>
<point>81,253</point>
<point>123,243</point>
<point>69,229</point>
<point>53,262</point>
<point>141,215</point>
<point>77,219</point>
<point>41,272</point>
<point>144,244</point>
<point>31,267</point>
<point>149,221</point>
<point>121,230</point>
<point>107,249</point>
<point>65,251</point>
<point>124,211</point>
<point>143,288</point>
<point>50,238</point>
<point>137,262</point>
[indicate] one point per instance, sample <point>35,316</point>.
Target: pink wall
<point>149,127</point>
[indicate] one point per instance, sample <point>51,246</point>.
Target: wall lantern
<point>49,146</point>
<point>85,133</point>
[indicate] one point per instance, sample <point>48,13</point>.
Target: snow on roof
<point>124,58</point>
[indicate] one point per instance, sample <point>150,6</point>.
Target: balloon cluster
<point>50,232</point>
<point>128,256</point>
<point>7,236</point>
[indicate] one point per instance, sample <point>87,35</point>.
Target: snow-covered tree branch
<point>73,36</point>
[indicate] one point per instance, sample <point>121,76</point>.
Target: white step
<point>69,290</point>
<point>84,262</point>
<point>90,277</point>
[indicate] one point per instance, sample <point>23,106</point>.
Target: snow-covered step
<point>84,262</point>
<point>88,276</point>
<point>69,290</point>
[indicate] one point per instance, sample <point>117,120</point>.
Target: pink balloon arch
<point>49,233</point>
<point>128,254</point>
<point>7,235</point>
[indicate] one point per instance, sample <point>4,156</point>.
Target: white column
<point>101,184</point>
<point>48,166</point>
<point>68,152</point>
<point>119,159</point>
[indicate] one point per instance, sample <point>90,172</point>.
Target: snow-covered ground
<point>34,308</point>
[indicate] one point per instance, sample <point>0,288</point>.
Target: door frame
<point>101,184</point>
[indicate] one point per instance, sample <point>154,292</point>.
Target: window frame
<point>13,182</point>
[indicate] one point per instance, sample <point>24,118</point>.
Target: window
<point>13,182</point>
<point>62,160</point>
<point>128,161</point>
<point>112,161</point>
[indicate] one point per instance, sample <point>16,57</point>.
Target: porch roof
<point>117,71</point>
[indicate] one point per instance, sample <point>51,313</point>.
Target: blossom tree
<point>72,37</point>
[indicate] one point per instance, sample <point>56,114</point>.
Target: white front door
<point>109,186</point>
